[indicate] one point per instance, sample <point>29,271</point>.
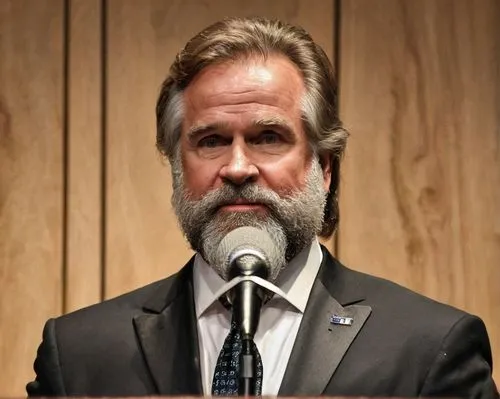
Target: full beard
<point>292,221</point>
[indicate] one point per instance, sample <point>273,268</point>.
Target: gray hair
<point>237,38</point>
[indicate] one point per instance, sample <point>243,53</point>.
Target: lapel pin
<point>341,320</point>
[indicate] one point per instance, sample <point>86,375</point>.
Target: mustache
<point>229,194</point>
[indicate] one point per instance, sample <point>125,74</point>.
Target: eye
<point>268,137</point>
<point>211,141</point>
<point>212,145</point>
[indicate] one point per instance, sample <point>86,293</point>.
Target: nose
<point>239,168</point>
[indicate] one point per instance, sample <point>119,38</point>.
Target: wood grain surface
<point>31,181</point>
<point>143,242</point>
<point>84,192</point>
<point>420,91</point>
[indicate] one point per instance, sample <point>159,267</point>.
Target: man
<point>248,120</point>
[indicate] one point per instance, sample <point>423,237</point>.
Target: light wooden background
<point>85,201</point>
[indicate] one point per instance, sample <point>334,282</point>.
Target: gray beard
<point>292,221</point>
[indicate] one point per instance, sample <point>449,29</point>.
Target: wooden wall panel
<point>420,93</point>
<point>84,238</point>
<point>31,181</point>
<point>143,242</point>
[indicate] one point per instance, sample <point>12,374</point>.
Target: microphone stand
<point>246,311</point>
<point>247,298</point>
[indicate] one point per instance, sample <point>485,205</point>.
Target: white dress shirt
<point>279,321</point>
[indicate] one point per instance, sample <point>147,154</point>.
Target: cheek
<point>199,178</point>
<point>284,177</point>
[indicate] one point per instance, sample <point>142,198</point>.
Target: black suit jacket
<point>145,343</point>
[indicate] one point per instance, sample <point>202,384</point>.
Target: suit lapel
<point>321,345</point>
<point>168,336</point>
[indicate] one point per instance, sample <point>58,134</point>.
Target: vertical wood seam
<point>103,232</point>
<point>65,155</point>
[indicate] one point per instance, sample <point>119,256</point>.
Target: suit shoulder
<point>438,336</point>
<point>126,305</point>
<point>391,296</point>
<point>418,339</point>
<point>389,301</point>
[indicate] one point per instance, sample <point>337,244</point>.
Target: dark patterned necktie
<point>226,375</point>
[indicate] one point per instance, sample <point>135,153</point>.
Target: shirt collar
<point>295,281</point>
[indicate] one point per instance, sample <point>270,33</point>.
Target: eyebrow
<point>272,121</point>
<point>275,122</point>
<point>268,122</point>
<point>199,130</point>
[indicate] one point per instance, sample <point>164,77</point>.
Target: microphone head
<point>251,242</point>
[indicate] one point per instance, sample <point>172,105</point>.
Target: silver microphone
<point>248,251</point>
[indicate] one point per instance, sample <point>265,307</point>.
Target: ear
<point>325,161</point>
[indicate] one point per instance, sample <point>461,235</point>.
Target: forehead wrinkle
<point>256,95</point>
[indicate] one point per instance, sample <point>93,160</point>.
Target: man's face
<point>242,122</point>
<point>244,154</point>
